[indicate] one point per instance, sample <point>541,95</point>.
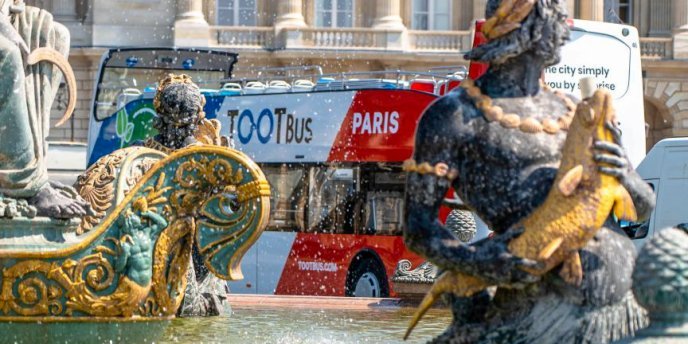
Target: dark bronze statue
<point>498,144</point>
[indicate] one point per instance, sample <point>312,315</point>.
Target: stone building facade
<point>346,35</point>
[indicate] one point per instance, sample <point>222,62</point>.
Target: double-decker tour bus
<point>331,147</point>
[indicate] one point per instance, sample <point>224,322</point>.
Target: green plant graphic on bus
<point>134,123</point>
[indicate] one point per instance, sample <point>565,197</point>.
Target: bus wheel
<point>367,279</point>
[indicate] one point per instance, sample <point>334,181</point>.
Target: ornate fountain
<point>117,247</point>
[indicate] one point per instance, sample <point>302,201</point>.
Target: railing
<point>652,48</point>
<point>655,48</point>
<point>439,41</point>
<point>243,36</point>
<point>340,38</point>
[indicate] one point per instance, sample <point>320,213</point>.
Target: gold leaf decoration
<point>507,18</point>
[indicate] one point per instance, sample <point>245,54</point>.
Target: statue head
<point>179,106</point>
<point>535,27</point>
<point>129,222</point>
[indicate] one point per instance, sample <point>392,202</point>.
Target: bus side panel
<point>391,249</point>
<point>132,124</point>
<point>129,125</point>
<point>319,263</point>
<point>380,126</point>
<point>263,264</point>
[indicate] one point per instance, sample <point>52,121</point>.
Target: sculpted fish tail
<point>624,209</point>
<point>448,282</point>
<point>444,283</point>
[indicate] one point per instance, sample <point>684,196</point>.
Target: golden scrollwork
<point>170,260</point>
<point>97,188</point>
<point>99,184</point>
<point>208,132</point>
<point>195,188</point>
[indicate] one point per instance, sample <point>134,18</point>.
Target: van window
<point>637,230</point>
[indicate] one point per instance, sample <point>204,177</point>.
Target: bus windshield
<point>128,74</point>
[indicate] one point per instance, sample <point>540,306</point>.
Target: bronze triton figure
<point>499,144</point>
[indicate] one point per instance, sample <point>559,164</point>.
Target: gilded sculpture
<point>128,228</point>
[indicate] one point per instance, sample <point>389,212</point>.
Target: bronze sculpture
<point>501,160</point>
<point>29,35</point>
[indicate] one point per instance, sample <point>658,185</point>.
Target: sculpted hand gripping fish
<point>575,209</point>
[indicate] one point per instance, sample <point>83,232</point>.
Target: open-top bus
<point>332,148</point>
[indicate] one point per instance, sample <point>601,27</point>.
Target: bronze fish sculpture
<point>576,207</point>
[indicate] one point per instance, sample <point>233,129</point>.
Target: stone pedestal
<point>190,27</point>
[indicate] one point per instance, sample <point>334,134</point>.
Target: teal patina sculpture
<point>27,90</point>
<point>660,283</point>
<point>126,260</point>
<point>136,248</point>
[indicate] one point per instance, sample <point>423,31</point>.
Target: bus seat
<point>254,87</point>
<point>230,89</point>
<point>424,85</point>
<point>442,87</point>
<point>303,85</point>
<point>278,86</point>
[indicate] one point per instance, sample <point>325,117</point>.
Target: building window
<point>236,12</point>
<point>334,13</point>
<point>431,15</point>
<point>618,11</point>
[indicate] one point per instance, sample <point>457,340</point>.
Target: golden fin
<point>568,184</point>
<point>572,271</point>
<point>552,247</point>
<point>444,283</point>
<point>624,209</point>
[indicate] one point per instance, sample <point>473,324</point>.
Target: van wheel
<point>367,279</point>
<point>462,224</point>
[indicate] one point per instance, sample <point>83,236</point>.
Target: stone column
<point>591,9</point>
<point>391,29</point>
<point>661,17</point>
<point>190,27</point>
<point>388,15</point>
<point>571,8</point>
<point>479,9</point>
<point>288,23</point>
<point>679,8</point>
<point>290,14</point>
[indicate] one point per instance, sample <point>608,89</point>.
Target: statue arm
<point>121,261</point>
<point>437,142</point>
<point>8,30</point>
<point>160,222</point>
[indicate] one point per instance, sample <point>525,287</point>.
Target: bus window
<point>332,199</point>
<point>287,197</point>
<point>385,213</point>
<point>131,74</point>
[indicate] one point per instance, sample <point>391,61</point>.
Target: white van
<point>665,168</point>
